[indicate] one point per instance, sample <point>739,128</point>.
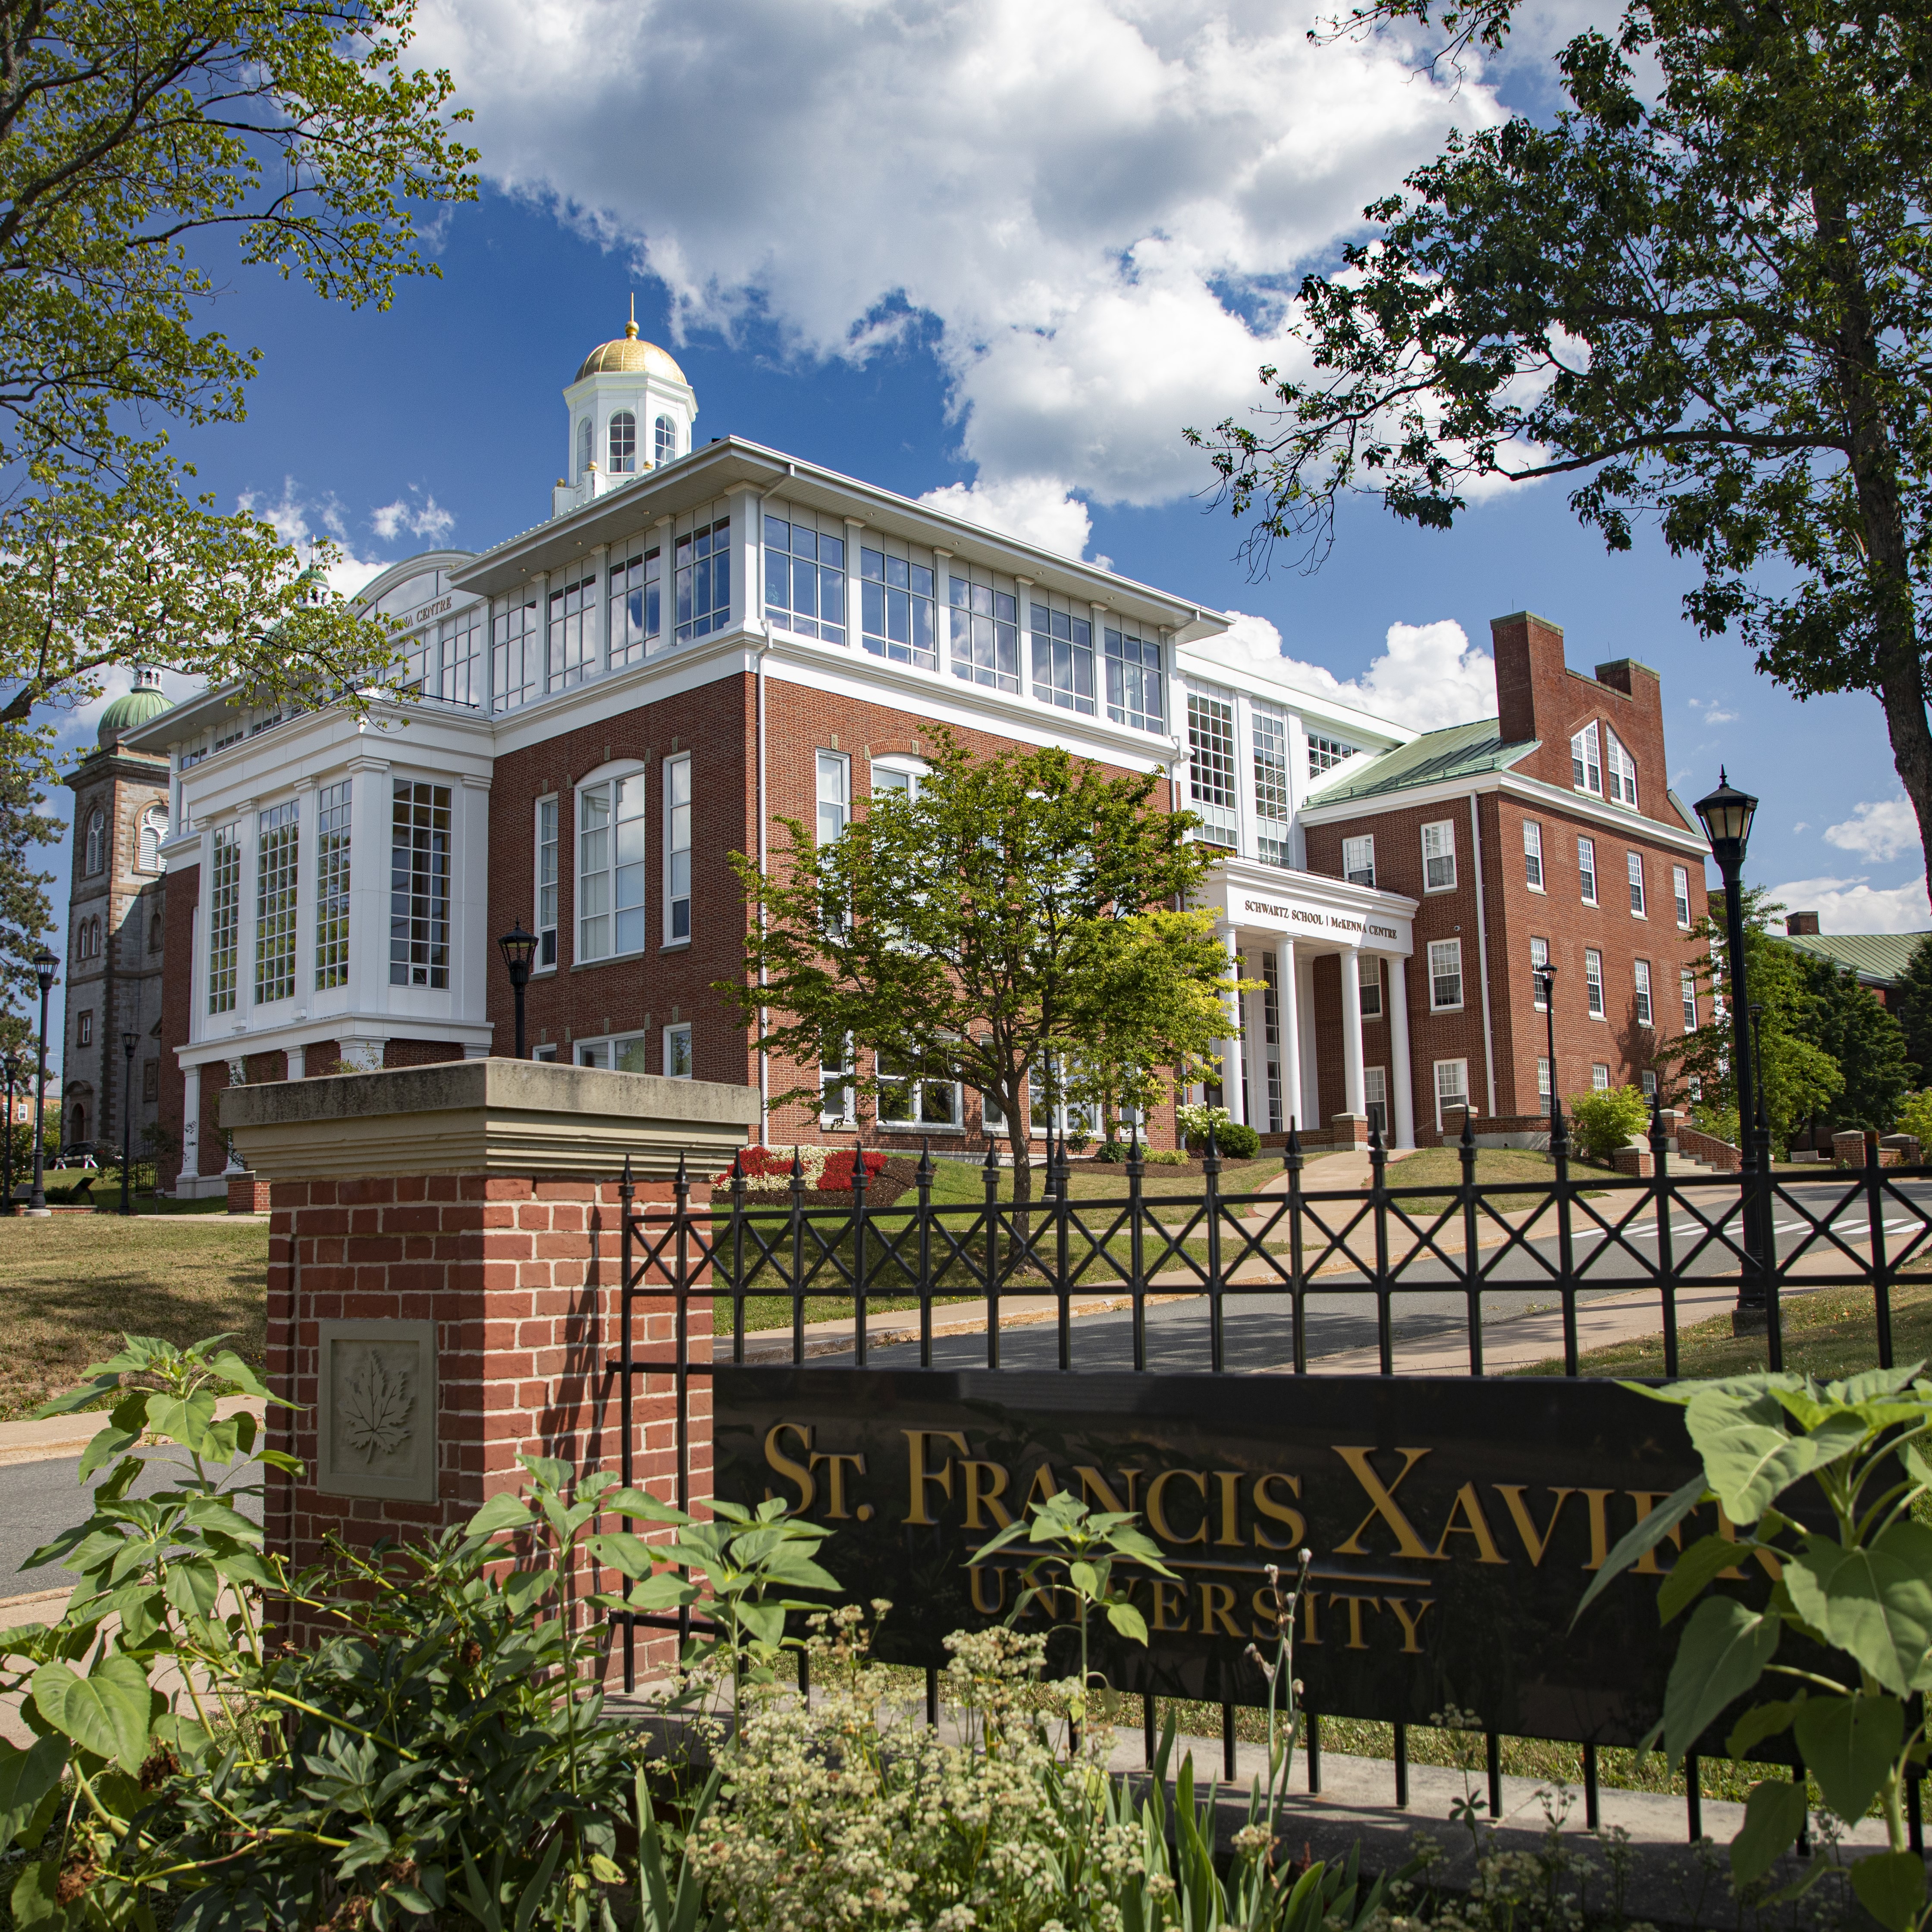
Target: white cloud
<point>1713,710</point>
<point>1877,832</point>
<point>1429,676</point>
<point>1101,203</point>
<point>1854,905</point>
<point>427,519</point>
<point>1037,510</point>
<point>297,520</point>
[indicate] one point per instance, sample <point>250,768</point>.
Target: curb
<point>63,1435</point>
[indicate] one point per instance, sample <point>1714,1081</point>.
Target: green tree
<point>1703,293</point>
<point>1013,918</point>
<point>1842,1020</point>
<point>1799,1078</point>
<point>140,141</point>
<point>1915,1007</point>
<point>25,910</point>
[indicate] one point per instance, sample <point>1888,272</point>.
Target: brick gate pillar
<point>444,1282</point>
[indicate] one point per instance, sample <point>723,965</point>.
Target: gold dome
<point>630,354</point>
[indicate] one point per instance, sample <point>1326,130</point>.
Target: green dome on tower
<point>130,711</point>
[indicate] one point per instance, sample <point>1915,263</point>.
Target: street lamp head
<point>129,1041</point>
<point>45,967</point>
<point>519,949</point>
<point>1727,814</point>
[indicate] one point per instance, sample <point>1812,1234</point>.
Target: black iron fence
<point>1272,1273</point>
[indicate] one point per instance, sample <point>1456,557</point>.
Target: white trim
<point>1482,956</point>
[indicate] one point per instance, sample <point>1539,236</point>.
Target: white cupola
<point>631,411</point>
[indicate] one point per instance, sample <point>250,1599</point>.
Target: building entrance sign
<point>1454,1524</point>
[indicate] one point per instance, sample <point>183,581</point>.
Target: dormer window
<point>1586,765</point>
<point>623,442</point>
<point>1623,770</point>
<point>583,448</point>
<point>666,433</point>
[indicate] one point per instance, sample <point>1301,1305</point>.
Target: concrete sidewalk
<point>62,1435</point>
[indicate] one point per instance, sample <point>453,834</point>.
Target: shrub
<point>1232,1137</point>
<point>1915,1116</point>
<point>1607,1116</point>
<point>1165,1156</point>
<point>1236,1140</point>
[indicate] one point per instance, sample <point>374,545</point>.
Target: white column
<point>855,631</point>
<point>298,1062</point>
<point>1353,1084</point>
<point>369,816</point>
<point>1288,1022</point>
<point>1311,1060</point>
<point>1232,1049</point>
<point>190,1166</point>
<point>1402,1079</point>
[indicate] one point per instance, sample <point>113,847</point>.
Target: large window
<point>1452,1086</point>
<point>1210,767</point>
<point>586,431</point>
<point>224,917</point>
<point>703,563</point>
<point>984,636</point>
<point>1586,869</point>
<point>459,647</point>
<point>804,580</point>
<point>896,610</point>
<point>419,885</point>
<point>611,875</point>
<point>1063,659</point>
<point>835,796</point>
<point>1638,904</point>
<point>1358,859</point>
<point>1135,693</point>
<point>623,443</point>
<point>1532,855</point>
<point>1375,1098</point>
<point>1586,768</point>
<point>1439,856</point>
<point>637,606</point>
<point>1686,987</point>
<point>1271,811</point>
<point>546,881</point>
<point>1593,981</point>
<point>1325,754</point>
<point>94,855</point>
<point>1622,769</point>
<point>147,836</point>
<point>1369,979</point>
<point>516,656</point>
<point>1641,971</point>
<point>1445,974</point>
<point>677,1059</point>
<point>834,1080</point>
<point>331,886</point>
<point>1680,891</point>
<point>922,1096</point>
<point>573,634</point>
<point>276,854</point>
<point>677,849</point>
<point>665,435</point>
<point>1539,958</point>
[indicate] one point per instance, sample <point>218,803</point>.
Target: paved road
<point>39,1500</point>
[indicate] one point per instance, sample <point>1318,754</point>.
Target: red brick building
<point>702,639</point>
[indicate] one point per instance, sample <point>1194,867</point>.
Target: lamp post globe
<point>519,948</point>
<point>130,1040</point>
<point>1726,815</point>
<point>45,967</point>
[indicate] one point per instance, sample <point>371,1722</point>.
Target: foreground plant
<point>1853,1587</point>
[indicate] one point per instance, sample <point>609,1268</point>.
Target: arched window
<point>583,448</point>
<point>154,828</point>
<point>667,439</point>
<point>76,1123</point>
<point>94,855</point>
<point>623,443</point>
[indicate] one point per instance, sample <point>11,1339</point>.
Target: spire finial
<point>631,327</point>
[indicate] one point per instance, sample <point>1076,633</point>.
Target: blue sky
<point>1028,300</point>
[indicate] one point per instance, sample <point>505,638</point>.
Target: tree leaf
<point>1774,1817</point>
<point>105,1712</point>
<point>1084,1578</point>
<point>1849,1745</point>
<point>504,1511</point>
<point>1751,1458</point>
<point>1874,1603</point>
<point>26,1777</point>
<point>1128,1621</point>
<point>1647,1535</point>
<point>1890,1885</point>
<point>1723,1652</point>
<point>103,1446</point>
<point>1760,1722</point>
<point>629,1555</point>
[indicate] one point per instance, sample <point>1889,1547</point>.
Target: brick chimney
<point>1529,675</point>
<point>1800,925</point>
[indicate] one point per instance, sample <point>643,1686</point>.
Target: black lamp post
<point>1727,814</point>
<point>129,1041</point>
<point>1559,1134</point>
<point>519,949</point>
<point>45,968</point>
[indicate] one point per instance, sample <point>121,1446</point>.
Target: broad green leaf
<point>26,1777</point>
<point>107,1712</point>
<point>187,1421</point>
<point>76,1400</point>
<point>766,1622</point>
<point>1647,1535</point>
<point>1849,1745</point>
<point>1874,1603</point>
<point>1760,1722</point>
<point>1774,1817</point>
<point>1890,1885</point>
<point>1128,1621</point>
<point>103,1446</point>
<point>502,1512</point>
<point>606,1871</point>
<point>1751,1458</point>
<point>1013,1533</point>
<point>551,1471</point>
<point>1708,1557</point>
<point>1723,1651</point>
<point>629,1555</point>
<point>194,1587</point>
<point>34,1901</point>
<point>666,1590</point>
<point>231,1368</point>
<point>1084,1578</point>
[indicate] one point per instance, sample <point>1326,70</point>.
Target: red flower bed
<point>839,1168</point>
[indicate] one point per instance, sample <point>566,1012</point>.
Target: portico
<point>1277,925</point>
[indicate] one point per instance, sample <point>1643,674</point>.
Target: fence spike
<point>683,1183</point>
<point>925,1157</point>
<point>992,1160</point>
<point>797,1164</point>
<point>1291,1152</point>
<point>1375,1139</point>
<point>1468,1136</point>
<point>626,1188</point>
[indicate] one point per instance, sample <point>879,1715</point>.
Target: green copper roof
<point>1459,752</point>
<point>1879,956</point>
<point>133,708</point>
